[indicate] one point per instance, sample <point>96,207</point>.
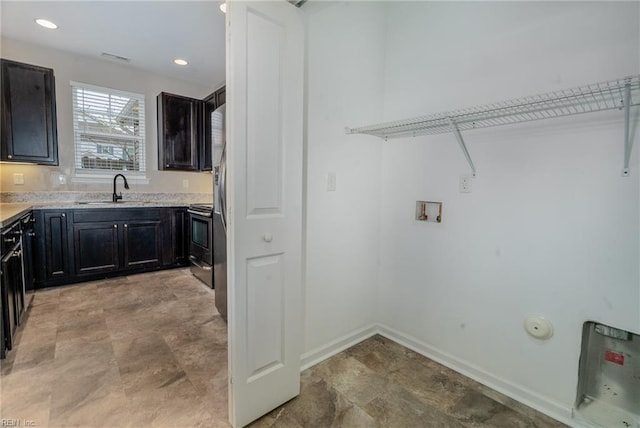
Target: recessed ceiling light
<point>46,24</point>
<point>223,7</point>
<point>180,61</point>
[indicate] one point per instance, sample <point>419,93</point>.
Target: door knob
<point>267,237</point>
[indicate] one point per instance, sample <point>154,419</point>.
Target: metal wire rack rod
<point>628,142</point>
<point>614,94</point>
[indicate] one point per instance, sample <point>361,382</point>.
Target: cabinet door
<point>206,150</point>
<point>221,96</point>
<point>179,230</point>
<point>56,245</point>
<point>142,244</point>
<point>11,284</point>
<point>178,132</point>
<point>96,247</point>
<point>28,234</point>
<point>29,131</point>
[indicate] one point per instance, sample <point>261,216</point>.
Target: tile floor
<point>378,383</point>
<point>150,351</point>
<point>144,350</point>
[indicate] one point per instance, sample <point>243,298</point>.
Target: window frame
<point>88,175</point>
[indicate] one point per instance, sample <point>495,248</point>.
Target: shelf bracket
<point>628,141</point>
<point>463,147</point>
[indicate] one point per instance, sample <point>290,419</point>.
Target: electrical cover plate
<point>609,377</point>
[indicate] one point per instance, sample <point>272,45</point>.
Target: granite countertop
<point>9,212</point>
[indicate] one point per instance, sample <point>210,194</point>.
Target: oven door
<point>201,245</point>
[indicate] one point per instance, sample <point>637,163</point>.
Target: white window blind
<point>109,130</point>
<point>218,133</point>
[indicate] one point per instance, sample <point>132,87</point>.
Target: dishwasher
<point>12,287</point>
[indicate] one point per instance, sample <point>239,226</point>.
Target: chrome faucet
<point>115,196</point>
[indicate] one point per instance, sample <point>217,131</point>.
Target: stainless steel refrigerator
<point>218,122</point>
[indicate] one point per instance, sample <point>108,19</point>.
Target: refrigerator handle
<point>222,188</point>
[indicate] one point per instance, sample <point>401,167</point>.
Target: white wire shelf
<point>614,94</point>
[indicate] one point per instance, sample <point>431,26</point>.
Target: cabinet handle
<point>115,226</point>
<point>125,225</point>
<point>64,215</point>
<point>167,166</point>
<point>31,234</point>
<point>9,156</point>
<point>10,240</point>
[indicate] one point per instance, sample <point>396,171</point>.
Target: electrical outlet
<point>185,183</point>
<point>465,183</point>
<point>331,182</point>
<point>18,178</point>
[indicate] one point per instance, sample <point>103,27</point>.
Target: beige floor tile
<point>150,350</point>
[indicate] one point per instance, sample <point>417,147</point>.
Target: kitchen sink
<point>101,202</point>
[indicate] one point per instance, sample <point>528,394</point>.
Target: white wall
<point>69,67</point>
<point>551,227</point>
<point>345,65</point>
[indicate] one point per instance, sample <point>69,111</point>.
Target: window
<point>109,134</point>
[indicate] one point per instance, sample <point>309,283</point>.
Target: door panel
<point>265,318</point>
<point>264,205</point>
<point>264,127</point>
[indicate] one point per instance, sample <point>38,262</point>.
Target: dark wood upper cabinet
<point>29,132</point>
<point>206,160</point>
<point>220,95</point>
<point>211,103</point>
<point>179,129</point>
<point>185,141</point>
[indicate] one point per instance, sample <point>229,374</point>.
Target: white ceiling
<point>151,33</point>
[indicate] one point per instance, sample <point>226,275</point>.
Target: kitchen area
<point>107,203</point>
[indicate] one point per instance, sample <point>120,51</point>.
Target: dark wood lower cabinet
<point>142,244</point>
<point>85,244</point>
<point>55,247</point>
<point>179,240</point>
<point>96,247</point>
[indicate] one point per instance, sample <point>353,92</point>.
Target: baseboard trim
<point>503,386</point>
<point>518,393</point>
<point>317,355</point>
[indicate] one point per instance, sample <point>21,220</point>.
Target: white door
<point>264,205</point>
